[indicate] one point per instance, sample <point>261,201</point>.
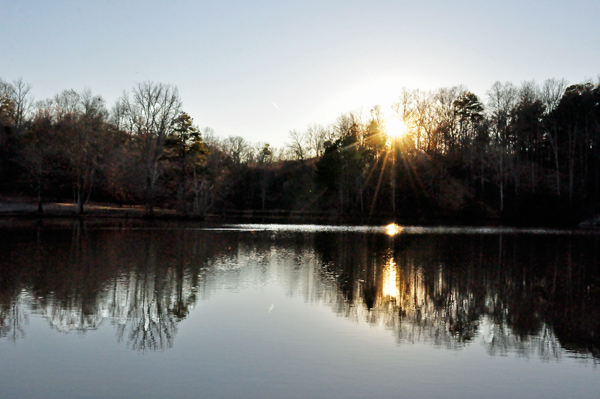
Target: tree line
<point>527,152</point>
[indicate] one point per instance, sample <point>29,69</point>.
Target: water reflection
<point>393,229</point>
<point>529,294</point>
<point>389,285</point>
<point>526,294</point>
<point>78,280</point>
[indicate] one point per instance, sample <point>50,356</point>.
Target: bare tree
<point>551,92</point>
<point>298,144</point>
<point>150,113</point>
<point>210,174</point>
<point>210,138</point>
<point>23,101</point>
<point>316,135</point>
<point>341,126</point>
<point>502,98</point>
<point>446,118</point>
<point>417,109</point>
<point>529,91</point>
<point>118,114</point>
<point>237,148</point>
<point>402,108</point>
<point>67,102</point>
<point>39,145</point>
<point>6,122</point>
<point>279,154</point>
<point>82,120</point>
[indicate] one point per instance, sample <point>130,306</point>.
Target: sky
<point>259,69</point>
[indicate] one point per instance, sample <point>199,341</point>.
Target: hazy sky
<point>261,68</point>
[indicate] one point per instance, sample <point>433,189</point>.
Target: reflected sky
<point>297,311</point>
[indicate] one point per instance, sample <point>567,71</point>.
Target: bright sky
<point>261,68</point>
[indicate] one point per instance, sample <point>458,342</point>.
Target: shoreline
<point>26,209</point>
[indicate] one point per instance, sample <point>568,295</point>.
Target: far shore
<point>26,208</point>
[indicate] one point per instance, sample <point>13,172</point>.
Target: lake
<point>100,309</point>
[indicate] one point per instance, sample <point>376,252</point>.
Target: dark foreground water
<point>272,311</point>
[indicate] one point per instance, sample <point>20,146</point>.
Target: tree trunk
<point>181,185</point>
<point>40,209</point>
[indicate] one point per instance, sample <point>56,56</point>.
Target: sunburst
<point>395,128</point>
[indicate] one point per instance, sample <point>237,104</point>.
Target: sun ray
<point>378,183</point>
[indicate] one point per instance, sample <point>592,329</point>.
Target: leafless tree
<point>6,120</point>
<point>82,119</point>
<point>279,154</point>
<point>443,100</point>
<point>551,92</point>
<point>39,145</point>
<point>402,108</point>
<point>529,91</point>
<point>23,101</point>
<point>67,102</point>
<point>417,109</point>
<point>210,138</point>
<point>316,135</point>
<point>341,126</point>
<point>502,98</point>
<point>237,148</point>
<point>261,152</point>
<point>297,144</point>
<point>118,114</point>
<point>150,113</point>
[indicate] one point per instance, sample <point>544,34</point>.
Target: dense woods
<point>527,152</point>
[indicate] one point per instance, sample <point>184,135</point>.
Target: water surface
<point>285,311</point>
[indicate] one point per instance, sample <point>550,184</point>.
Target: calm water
<point>283,311</point>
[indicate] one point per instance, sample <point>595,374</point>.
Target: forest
<point>526,153</point>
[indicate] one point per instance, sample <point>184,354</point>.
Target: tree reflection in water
<point>533,295</point>
<point>142,286</point>
<point>521,293</point>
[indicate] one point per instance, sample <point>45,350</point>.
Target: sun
<point>395,128</point>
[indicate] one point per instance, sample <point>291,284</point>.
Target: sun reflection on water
<point>390,281</point>
<point>392,229</point>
